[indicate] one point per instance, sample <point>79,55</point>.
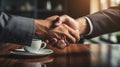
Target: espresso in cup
<point>35,47</point>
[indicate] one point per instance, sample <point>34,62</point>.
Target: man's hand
<point>65,19</point>
<point>43,26</point>
<point>79,26</point>
<point>69,24</point>
<point>60,35</point>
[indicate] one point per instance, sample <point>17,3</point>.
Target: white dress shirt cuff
<point>90,25</point>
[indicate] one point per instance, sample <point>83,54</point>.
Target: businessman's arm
<point>15,29</point>
<point>105,21</point>
<point>96,24</point>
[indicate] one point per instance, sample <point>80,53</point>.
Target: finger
<point>61,44</point>
<point>52,41</point>
<point>55,40</point>
<point>67,20</point>
<point>72,34</point>
<point>75,35</point>
<point>52,17</point>
<point>65,35</point>
<point>60,20</point>
<point>70,38</point>
<point>47,41</point>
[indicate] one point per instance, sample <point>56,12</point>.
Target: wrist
<point>40,27</point>
<point>83,26</point>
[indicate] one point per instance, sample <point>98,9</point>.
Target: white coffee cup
<point>36,45</point>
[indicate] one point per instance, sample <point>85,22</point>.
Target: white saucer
<point>42,52</point>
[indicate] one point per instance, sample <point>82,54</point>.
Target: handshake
<point>60,31</point>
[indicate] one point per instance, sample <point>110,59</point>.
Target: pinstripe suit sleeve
<point>16,29</point>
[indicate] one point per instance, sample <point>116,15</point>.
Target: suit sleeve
<point>105,21</point>
<point>16,29</point>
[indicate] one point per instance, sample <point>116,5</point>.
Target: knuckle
<point>65,15</point>
<point>73,40</point>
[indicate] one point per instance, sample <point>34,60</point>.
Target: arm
<point>96,24</point>
<point>105,21</point>
<point>15,29</point>
<point>21,30</point>
<point>99,23</point>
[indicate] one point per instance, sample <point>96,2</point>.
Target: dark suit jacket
<point>15,29</point>
<point>105,21</point>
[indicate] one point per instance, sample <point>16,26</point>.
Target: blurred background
<point>74,8</point>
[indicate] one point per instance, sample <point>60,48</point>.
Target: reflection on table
<point>75,55</point>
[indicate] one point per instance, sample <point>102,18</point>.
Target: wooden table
<point>76,55</point>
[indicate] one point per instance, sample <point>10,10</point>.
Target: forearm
<point>99,23</point>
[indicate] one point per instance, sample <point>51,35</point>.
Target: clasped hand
<point>58,31</point>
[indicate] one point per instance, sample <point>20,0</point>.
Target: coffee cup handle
<point>43,45</point>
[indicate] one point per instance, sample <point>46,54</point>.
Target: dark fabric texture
<point>105,21</point>
<point>16,29</point>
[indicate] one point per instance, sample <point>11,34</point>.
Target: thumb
<point>69,21</point>
<point>66,20</point>
<point>62,19</point>
<point>59,21</point>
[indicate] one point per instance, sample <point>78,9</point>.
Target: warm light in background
<point>104,4</point>
<point>115,2</point>
<point>96,5</point>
